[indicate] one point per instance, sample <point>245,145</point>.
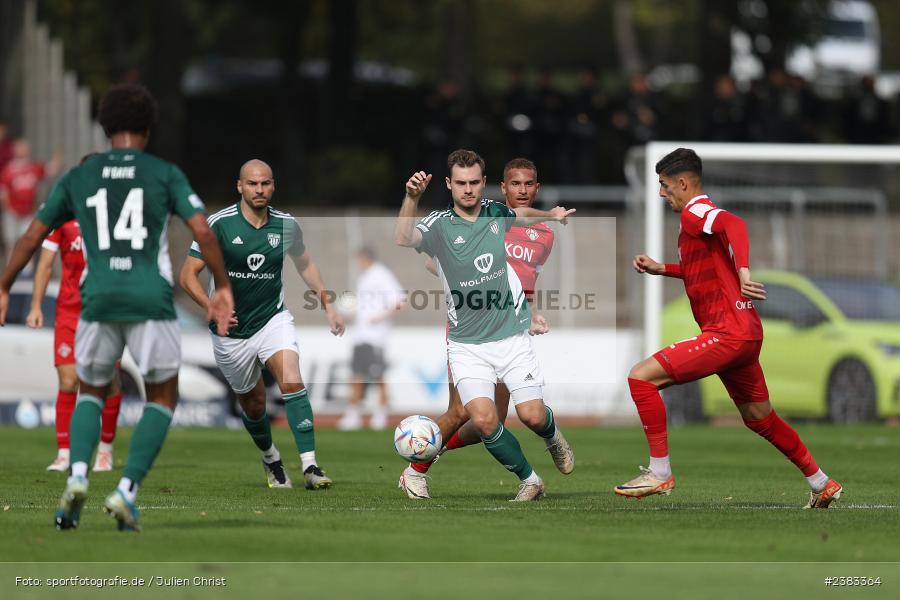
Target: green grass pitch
<point>737,501</point>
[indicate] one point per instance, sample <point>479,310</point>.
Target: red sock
<point>652,411</point>
<point>65,405</point>
<point>785,438</point>
<point>110,418</point>
<point>454,442</point>
<point>421,467</point>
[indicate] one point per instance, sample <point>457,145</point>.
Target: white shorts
<point>154,345</point>
<point>241,360</point>
<point>511,360</point>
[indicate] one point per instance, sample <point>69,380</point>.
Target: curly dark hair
<point>127,107</point>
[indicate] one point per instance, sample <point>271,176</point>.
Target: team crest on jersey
<point>255,261</point>
<point>484,262</point>
<point>274,239</point>
<point>64,350</point>
<point>495,229</point>
<point>531,233</point>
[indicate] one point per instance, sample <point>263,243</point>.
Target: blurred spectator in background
<point>585,116</point>
<point>780,109</point>
<point>550,128</point>
<point>378,298</point>
<point>5,145</point>
<point>19,181</point>
<point>637,115</point>
<point>727,118</point>
<point>866,117</point>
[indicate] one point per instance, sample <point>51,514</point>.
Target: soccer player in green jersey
<point>488,313</point>
<point>123,199</point>
<point>255,239</point>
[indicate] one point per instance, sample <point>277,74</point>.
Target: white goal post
<point>790,154</point>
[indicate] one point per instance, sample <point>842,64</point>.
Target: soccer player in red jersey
<point>527,250</point>
<point>714,263</point>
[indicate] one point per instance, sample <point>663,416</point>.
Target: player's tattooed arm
<point>21,254</point>
<point>405,233</point>
<point>525,215</point>
<point>311,275</point>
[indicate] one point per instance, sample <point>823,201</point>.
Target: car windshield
<point>840,28</point>
<point>866,300</point>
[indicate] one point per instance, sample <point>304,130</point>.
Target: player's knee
<point>68,382</point>
<point>533,417</point>
<point>638,371</point>
<point>486,424</point>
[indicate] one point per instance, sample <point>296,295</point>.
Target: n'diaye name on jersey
<point>485,299</point>
<point>254,259</point>
<point>123,199</point>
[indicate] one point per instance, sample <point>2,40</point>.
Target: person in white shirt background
<point>378,298</point>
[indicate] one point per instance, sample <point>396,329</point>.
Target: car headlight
<point>889,349</point>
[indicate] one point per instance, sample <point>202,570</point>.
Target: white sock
<point>661,467</point>
<point>63,453</point>
<point>817,480</point>
<point>104,447</point>
<point>271,455</point>
<point>307,459</point>
<point>79,469</point>
<point>412,472</point>
<point>533,478</point>
<point>129,489</point>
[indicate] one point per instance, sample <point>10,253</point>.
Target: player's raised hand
<point>539,325</point>
<point>4,305</point>
<point>221,309</point>
<point>750,288</point>
<point>644,264</point>
<point>417,184</point>
<point>35,318</point>
<point>561,214</point>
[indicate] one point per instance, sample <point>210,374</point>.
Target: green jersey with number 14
<point>123,199</point>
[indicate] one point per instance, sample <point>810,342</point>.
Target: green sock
<point>260,430</point>
<point>84,430</point>
<point>549,430</point>
<point>504,447</point>
<point>147,440</point>
<point>300,418</point>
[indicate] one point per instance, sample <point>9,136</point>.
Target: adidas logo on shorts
<point>529,377</point>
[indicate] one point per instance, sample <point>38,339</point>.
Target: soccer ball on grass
<point>417,439</point>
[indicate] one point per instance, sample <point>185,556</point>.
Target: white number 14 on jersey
<point>130,224</point>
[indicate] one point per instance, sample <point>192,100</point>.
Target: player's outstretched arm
<point>221,305</point>
<point>644,264</point>
<point>525,215</point>
<point>42,273</point>
<point>405,233</point>
<point>311,275</point>
<point>21,254</point>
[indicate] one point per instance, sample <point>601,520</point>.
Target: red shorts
<point>64,338</point>
<point>736,362</point>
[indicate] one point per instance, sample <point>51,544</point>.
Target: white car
<point>26,358</point>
